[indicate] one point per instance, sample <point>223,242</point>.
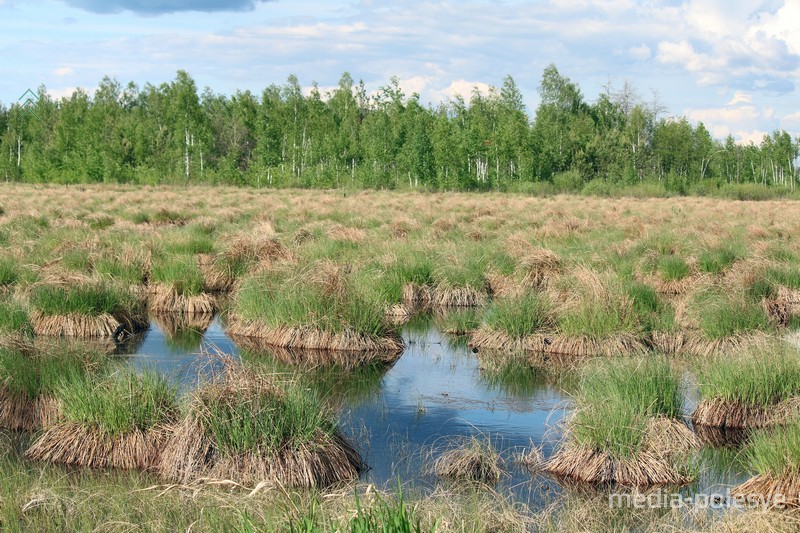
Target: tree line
<point>348,137</point>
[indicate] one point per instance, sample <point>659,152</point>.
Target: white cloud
<point>740,98</point>
<point>640,53</point>
<point>64,71</point>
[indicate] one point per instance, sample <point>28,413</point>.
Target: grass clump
<point>334,305</point>
<point>180,273</point>
<point>9,271</point>
<point>518,317</point>
<point>120,403</point>
<point>616,399</point>
<point>775,452</point>
<point>87,299</point>
<point>286,417</point>
<point>715,260</point>
<point>673,267</point>
<point>761,378</point>
<point>252,427</point>
<point>787,276</point>
<point>13,317</point>
<point>723,316</point>
<point>35,375</point>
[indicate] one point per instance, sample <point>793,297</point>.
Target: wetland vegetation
<point>631,322</point>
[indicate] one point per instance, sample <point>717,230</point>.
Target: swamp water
<point>434,397</point>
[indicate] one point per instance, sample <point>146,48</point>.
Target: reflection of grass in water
<point>334,382</point>
<point>184,339</point>
<point>512,374</point>
<point>721,462</point>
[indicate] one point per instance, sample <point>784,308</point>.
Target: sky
<point>732,64</point>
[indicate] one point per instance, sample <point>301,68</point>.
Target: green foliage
<point>9,271</point>
<point>617,396</point>
<point>264,422</point>
<point>181,272</point>
<point>762,378</point>
<point>786,276</point>
<point>722,315</point>
<point>80,299</point>
<point>718,259</point>
<point>775,451</point>
<point>290,302</point>
<point>40,374</point>
<point>531,313</point>
<point>13,317</point>
<point>119,403</point>
<point>615,146</point>
<point>673,267</point>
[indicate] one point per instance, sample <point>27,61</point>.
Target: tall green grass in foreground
<point>265,419</point>
<point>519,317</point>
<point>120,402</point>
<point>616,399</point>
<point>775,451</point>
<point>762,377</point>
<point>80,299</point>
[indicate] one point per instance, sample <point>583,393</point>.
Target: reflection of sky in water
<point>432,396</point>
<point>183,361</point>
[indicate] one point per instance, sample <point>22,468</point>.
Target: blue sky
<point>734,65</point>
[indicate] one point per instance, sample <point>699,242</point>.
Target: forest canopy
<point>347,137</point>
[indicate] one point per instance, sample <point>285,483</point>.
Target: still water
<point>434,397</point>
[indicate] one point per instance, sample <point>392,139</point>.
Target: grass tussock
<point>118,421</point>
<point>475,461</point>
<point>751,390</point>
<point>85,310</point>
<point>625,429</point>
<point>29,380</point>
<point>319,310</point>
<point>254,428</point>
<point>775,455</point>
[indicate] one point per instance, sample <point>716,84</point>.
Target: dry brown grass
<point>165,299</point>
<point>77,325</point>
<point>76,444</point>
<point>729,414</point>
<point>472,461</point>
<point>20,413</point>
<point>558,344</point>
<point>586,465</point>
<point>310,338</point>
<point>767,489</point>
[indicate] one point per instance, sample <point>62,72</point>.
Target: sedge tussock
<point>73,443</point>
<point>580,346</point>
<point>251,428</point>
<point>20,413</point>
<point>79,325</point>
<point>310,338</point>
<point>721,413</point>
<point>588,465</point>
<point>215,277</point>
<point>165,299</point>
<point>473,461</point>
<point>770,490</point>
